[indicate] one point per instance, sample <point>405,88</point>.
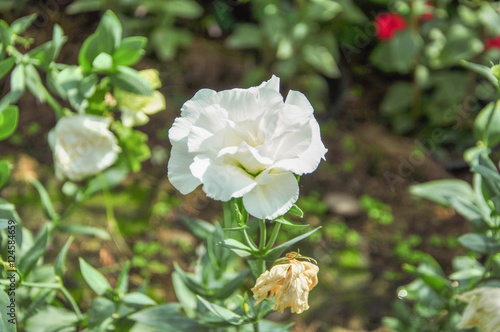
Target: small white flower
<point>136,108</point>
<point>246,143</point>
<point>82,146</point>
<point>483,310</point>
<point>289,283</point>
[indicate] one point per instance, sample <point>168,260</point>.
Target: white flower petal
<point>301,151</point>
<point>83,146</point>
<point>222,182</point>
<point>179,174</point>
<point>274,195</point>
<point>196,105</point>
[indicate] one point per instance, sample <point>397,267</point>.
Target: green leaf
<point>227,289</point>
<point>295,210</point>
<point>130,80</point>
<point>480,69</point>
<point>246,35</point>
<point>94,278</point>
<point>9,118</point>
<point>20,25</point>
<point>398,99</point>
<point>34,83</point>
<point>113,177</point>
<point>138,299</point>
<point>5,66</point>
<point>480,243</point>
<point>198,227</point>
<point>399,53</point>
<point>48,207</point>
<point>183,8</point>
<point>321,59</point>
<point>194,285</point>
<point>237,247</point>
<point>83,230</point>
<point>5,34</point>
<point>61,258</point>
<point>51,319</point>
<point>102,62</point>
<point>165,42</point>
<point>110,30</point>
<point>276,252</point>
<point>4,172</point>
<point>122,283</point>
<point>89,50</point>
<point>101,309</point>
<point>17,83</point>
<point>7,323</point>
<point>31,257</point>
<point>224,314</point>
<point>286,222</point>
<point>84,6</point>
<point>186,297</point>
<point>130,51</point>
<point>487,125</point>
<point>441,191</point>
<point>167,317</point>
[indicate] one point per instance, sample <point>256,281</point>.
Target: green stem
<point>274,236</point>
<point>263,235</point>
<point>112,225</point>
<point>54,104</point>
<point>249,241</point>
<point>71,301</point>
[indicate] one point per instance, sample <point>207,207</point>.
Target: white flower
<point>82,146</point>
<point>136,108</point>
<point>289,283</point>
<point>246,143</point>
<point>483,309</point>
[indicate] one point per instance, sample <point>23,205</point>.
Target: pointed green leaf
<point>285,222</point>
<point>122,283</point>
<point>276,252</point>
<point>5,66</point>
<point>130,80</point>
<point>138,299</point>
<point>9,118</point>
<point>48,207</point>
<point>237,247</point>
<point>224,314</point>
<point>295,210</point>
<point>167,317</point>
<point>130,51</point>
<point>94,278</point>
<point>21,24</point>
<point>84,230</point>
<point>61,258</point>
<point>4,172</point>
<point>480,243</point>
<point>31,257</point>
<point>7,323</point>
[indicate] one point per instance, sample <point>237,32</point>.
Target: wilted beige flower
<point>483,310</point>
<point>290,283</point>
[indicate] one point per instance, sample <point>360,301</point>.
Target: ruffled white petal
<point>274,196</point>
<point>226,181</point>
<point>179,173</point>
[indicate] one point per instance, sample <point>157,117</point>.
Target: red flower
<point>388,24</point>
<point>492,43</point>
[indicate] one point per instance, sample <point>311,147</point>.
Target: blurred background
<point>393,99</point>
